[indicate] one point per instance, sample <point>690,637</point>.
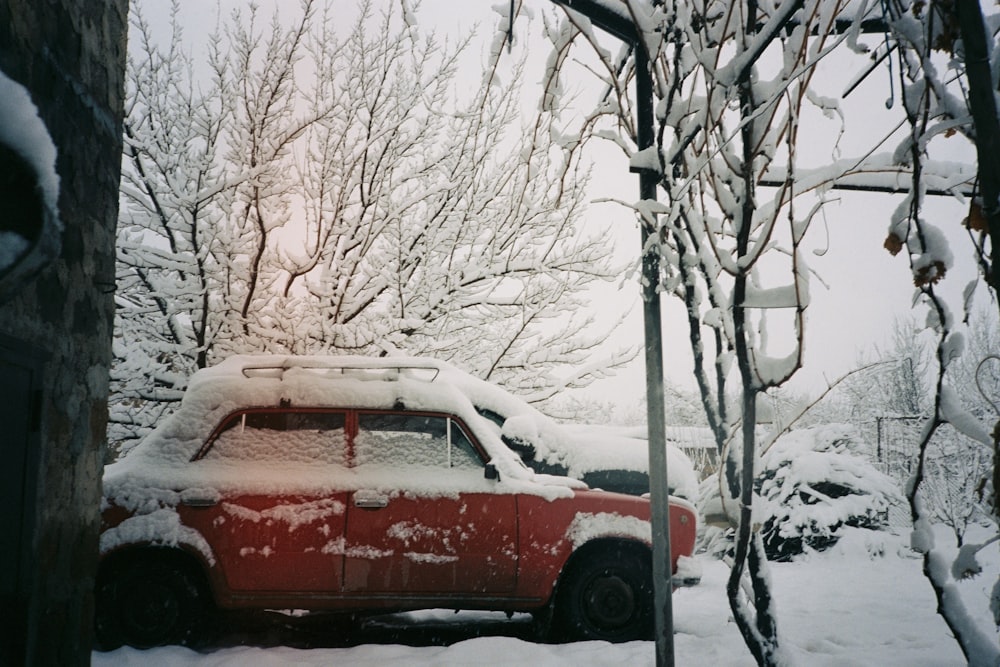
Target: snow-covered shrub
<point>812,484</point>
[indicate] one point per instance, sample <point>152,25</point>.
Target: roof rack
<point>361,369</point>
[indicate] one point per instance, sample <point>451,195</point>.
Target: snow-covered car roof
<point>579,448</point>
<point>266,381</point>
<point>416,383</point>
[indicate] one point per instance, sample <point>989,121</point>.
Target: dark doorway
<point>20,401</point>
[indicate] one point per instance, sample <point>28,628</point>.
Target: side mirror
<point>492,472</point>
<point>524,449</point>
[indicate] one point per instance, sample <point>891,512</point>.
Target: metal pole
<point>655,410</point>
<point>621,27</point>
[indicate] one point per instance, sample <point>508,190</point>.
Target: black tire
<point>148,601</point>
<point>607,595</point>
<point>542,623</point>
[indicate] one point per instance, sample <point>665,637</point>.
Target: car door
<point>278,524</point>
<point>424,519</point>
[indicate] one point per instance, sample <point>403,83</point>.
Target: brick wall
<point>70,55</point>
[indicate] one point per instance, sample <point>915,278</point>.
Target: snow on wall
<point>23,131</point>
<point>13,246</point>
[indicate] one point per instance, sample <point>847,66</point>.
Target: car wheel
<point>607,596</point>
<point>148,602</point>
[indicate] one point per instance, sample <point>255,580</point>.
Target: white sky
<point>868,289</point>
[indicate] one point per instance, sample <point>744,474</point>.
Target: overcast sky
<point>867,288</point>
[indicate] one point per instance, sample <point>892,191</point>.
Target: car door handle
<point>199,501</point>
<point>370,500</point>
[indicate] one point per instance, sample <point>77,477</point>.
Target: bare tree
<point>954,482</point>
<point>732,82</point>
<point>933,108</point>
<point>330,188</point>
<point>890,402</point>
<point>722,238</point>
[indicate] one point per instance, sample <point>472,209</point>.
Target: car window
<point>492,415</point>
<point>463,452</point>
<point>409,440</point>
<point>286,435</point>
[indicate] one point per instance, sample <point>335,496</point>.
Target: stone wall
<point>70,55</point>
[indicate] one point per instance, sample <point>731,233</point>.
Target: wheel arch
<point>190,581</point>
<point>568,620</point>
<point>597,546</point>
<point>189,560</point>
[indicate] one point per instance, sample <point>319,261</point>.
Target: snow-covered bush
<point>812,484</point>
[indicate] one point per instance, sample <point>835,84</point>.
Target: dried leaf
<point>976,220</point>
<point>945,42</point>
<point>948,29</point>
<point>930,275</point>
<point>893,244</point>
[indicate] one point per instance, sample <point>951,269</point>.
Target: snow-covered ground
<point>842,607</point>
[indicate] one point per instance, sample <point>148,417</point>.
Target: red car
<point>355,484</point>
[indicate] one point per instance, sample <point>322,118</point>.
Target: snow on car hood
<point>601,448</point>
<point>580,448</point>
